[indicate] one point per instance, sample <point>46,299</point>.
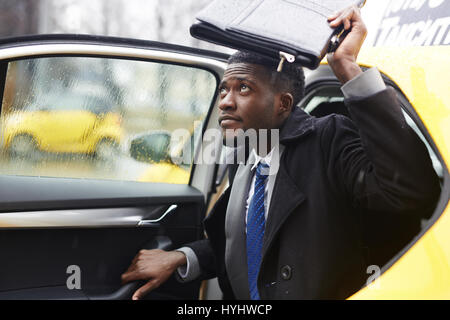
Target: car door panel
<point>25,193</point>
<point>38,258</point>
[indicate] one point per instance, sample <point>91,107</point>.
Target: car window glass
<point>101,118</point>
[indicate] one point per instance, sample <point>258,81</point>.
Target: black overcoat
<point>348,194</point>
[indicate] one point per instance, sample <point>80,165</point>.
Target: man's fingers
<point>347,23</point>
<point>139,255</point>
<point>339,20</point>
<point>142,291</point>
<point>128,276</point>
<point>334,15</point>
<point>345,17</point>
<point>133,274</point>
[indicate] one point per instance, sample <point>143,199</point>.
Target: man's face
<point>247,99</point>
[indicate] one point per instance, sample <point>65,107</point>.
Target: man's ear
<point>286,102</point>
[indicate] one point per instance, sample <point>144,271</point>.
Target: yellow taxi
<point>63,124</point>
<point>421,270</point>
<point>92,217</point>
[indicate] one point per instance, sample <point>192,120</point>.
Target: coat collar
<point>297,125</point>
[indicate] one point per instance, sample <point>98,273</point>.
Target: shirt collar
<point>266,160</point>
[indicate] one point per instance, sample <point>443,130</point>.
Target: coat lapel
<point>286,195</point>
<point>285,198</point>
<point>235,248</point>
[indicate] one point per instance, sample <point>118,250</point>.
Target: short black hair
<point>291,78</point>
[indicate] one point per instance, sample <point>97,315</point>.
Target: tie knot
<point>262,170</point>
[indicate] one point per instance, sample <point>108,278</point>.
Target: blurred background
<point>392,23</point>
<point>160,20</point>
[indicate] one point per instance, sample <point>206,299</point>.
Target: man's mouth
<point>228,120</point>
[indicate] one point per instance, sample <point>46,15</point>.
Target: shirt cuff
<point>366,84</point>
<point>191,270</point>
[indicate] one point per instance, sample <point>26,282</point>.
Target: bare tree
<point>18,17</point>
<point>161,20</point>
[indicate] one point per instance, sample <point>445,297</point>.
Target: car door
<point>71,223</point>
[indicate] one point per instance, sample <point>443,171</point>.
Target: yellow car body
<point>62,131</point>
<point>422,73</point>
<point>166,173</point>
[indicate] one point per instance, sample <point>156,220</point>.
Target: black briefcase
<point>289,30</point>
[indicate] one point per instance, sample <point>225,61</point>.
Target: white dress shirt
<point>366,84</point>
<point>270,182</point>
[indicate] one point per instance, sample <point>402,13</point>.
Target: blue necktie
<point>255,231</point>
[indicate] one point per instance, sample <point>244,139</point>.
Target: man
<point>297,233</point>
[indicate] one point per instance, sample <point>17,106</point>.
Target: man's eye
<point>244,88</point>
<point>222,91</point>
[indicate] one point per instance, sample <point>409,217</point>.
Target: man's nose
<point>227,101</point>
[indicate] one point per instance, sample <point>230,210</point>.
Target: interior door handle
<point>152,222</point>
<point>126,291</point>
